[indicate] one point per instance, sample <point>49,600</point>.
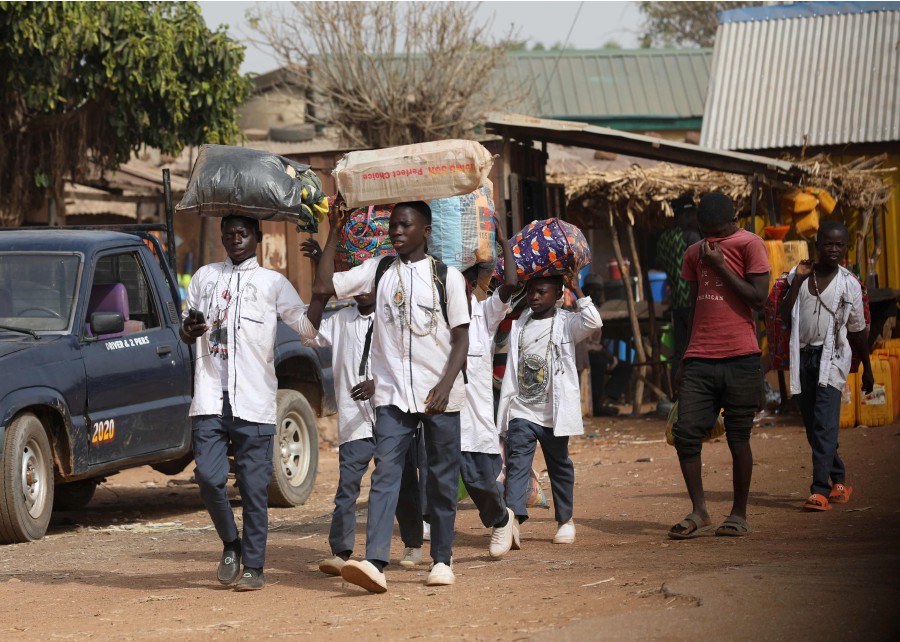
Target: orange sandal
<point>817,502</point>
<point>840,494</point>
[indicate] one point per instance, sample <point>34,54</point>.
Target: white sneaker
<point>517,540</point>
<point>364,574</point>
<point>566,533</point>
<point>502,536</point>
<point>441,575</point>
<point>426,531</point>
<point>411,557</point>
<point>332,566</point>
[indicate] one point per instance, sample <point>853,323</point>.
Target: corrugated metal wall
<point>824,80</point>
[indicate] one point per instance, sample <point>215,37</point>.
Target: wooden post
<point>632,315</point>
<point>636,262</point>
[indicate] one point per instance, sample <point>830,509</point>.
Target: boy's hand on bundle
<point>437,399</point>
<point>337,210</point>
<point>363,391</point>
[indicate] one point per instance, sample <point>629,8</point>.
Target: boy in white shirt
<point>481,462</point>
<point>540,398</point>
<point>235,390</point>
<point>419,342</point>
<point>827,317</point>
<point>349,333</point>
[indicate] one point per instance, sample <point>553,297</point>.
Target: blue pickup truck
<point>93,377</point>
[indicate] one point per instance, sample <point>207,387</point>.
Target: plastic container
<point>849,401</point>
<point>615,274</point>
<point>657,285</point>
<point>877,408</point>
<point>807,223</point>
<point>894,363</point>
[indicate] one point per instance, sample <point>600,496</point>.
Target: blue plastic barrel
<point>657,285</point>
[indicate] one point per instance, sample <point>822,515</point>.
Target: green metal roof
<point>612,87</point>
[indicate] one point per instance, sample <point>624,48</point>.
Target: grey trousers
<point>479,474</point>
<point>394,433</point>
<point>522,439</point>
<point>354,457</point>
<point>252,450</point>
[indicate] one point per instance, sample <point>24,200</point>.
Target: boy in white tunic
<point>349,334</point>
<point>235,390</point>
<point>540,398</point>
<point>825,308</point>
<point>418,354</point>
<point>481,462</point>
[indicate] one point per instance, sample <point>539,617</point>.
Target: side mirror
<point>103,323</point>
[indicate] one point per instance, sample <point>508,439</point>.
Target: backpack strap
<point>441,269</point>
<point>366,347</point>
<point>383,266</point>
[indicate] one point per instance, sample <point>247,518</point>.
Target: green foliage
<point>83,84</point>
<point>683,24</point>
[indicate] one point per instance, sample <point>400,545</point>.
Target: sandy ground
<point>139,562</point>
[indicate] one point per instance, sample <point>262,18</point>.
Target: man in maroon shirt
<point>729,275</point>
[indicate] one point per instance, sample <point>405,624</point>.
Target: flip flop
<point>691,520</point>
<point>734,526</point>
<point>817,502</point>
<point>840,494</point>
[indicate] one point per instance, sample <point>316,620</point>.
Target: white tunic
<point>570,328</point>
<point>846,301</point>
<point>258,296</point>
<point>478,429</point>
<point>406,366</point>
<point>345,331</point>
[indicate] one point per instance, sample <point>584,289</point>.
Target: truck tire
<point>295,456</point>
<point>74,495</point>
<point>26,481</point>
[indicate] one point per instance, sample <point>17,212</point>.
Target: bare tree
<point>683,24</point>
<point>389,73</point>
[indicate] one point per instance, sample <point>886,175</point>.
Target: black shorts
<point>708,386</point>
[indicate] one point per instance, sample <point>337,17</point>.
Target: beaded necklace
<point>221,314</point>
<point>401,300</point>
<point>821,304</point>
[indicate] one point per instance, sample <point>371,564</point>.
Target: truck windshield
<point>37,290</point>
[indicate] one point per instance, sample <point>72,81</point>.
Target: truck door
<point>138,387</point>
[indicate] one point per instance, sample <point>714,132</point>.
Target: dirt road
<point>139,562</point>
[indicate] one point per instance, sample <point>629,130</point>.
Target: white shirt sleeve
<point>325,336</point>
<point>358,280</point>
<point>194,290</point>
<point>457,299</point>
<point>582,325</point>
<point>856,321</point>
<point>291,308</point>
<point>495,310</point>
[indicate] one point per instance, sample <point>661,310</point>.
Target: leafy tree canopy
<point>83,84</point>
<point>683,24</point>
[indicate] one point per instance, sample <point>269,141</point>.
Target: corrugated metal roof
<point>817,80</point>
<point>564,132</point>
<point>650,83</point>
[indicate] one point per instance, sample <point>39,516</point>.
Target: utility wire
<point>556,65</point>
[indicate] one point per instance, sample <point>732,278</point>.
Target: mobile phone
<point>196,316</point>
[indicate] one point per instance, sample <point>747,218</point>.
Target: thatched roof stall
<point>639,197</point>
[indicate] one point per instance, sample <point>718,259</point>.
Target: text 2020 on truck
<point>93,377</point>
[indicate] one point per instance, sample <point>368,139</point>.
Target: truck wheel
<point>74,495</point>
<point>26,482</point>
<point>295,457</point>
